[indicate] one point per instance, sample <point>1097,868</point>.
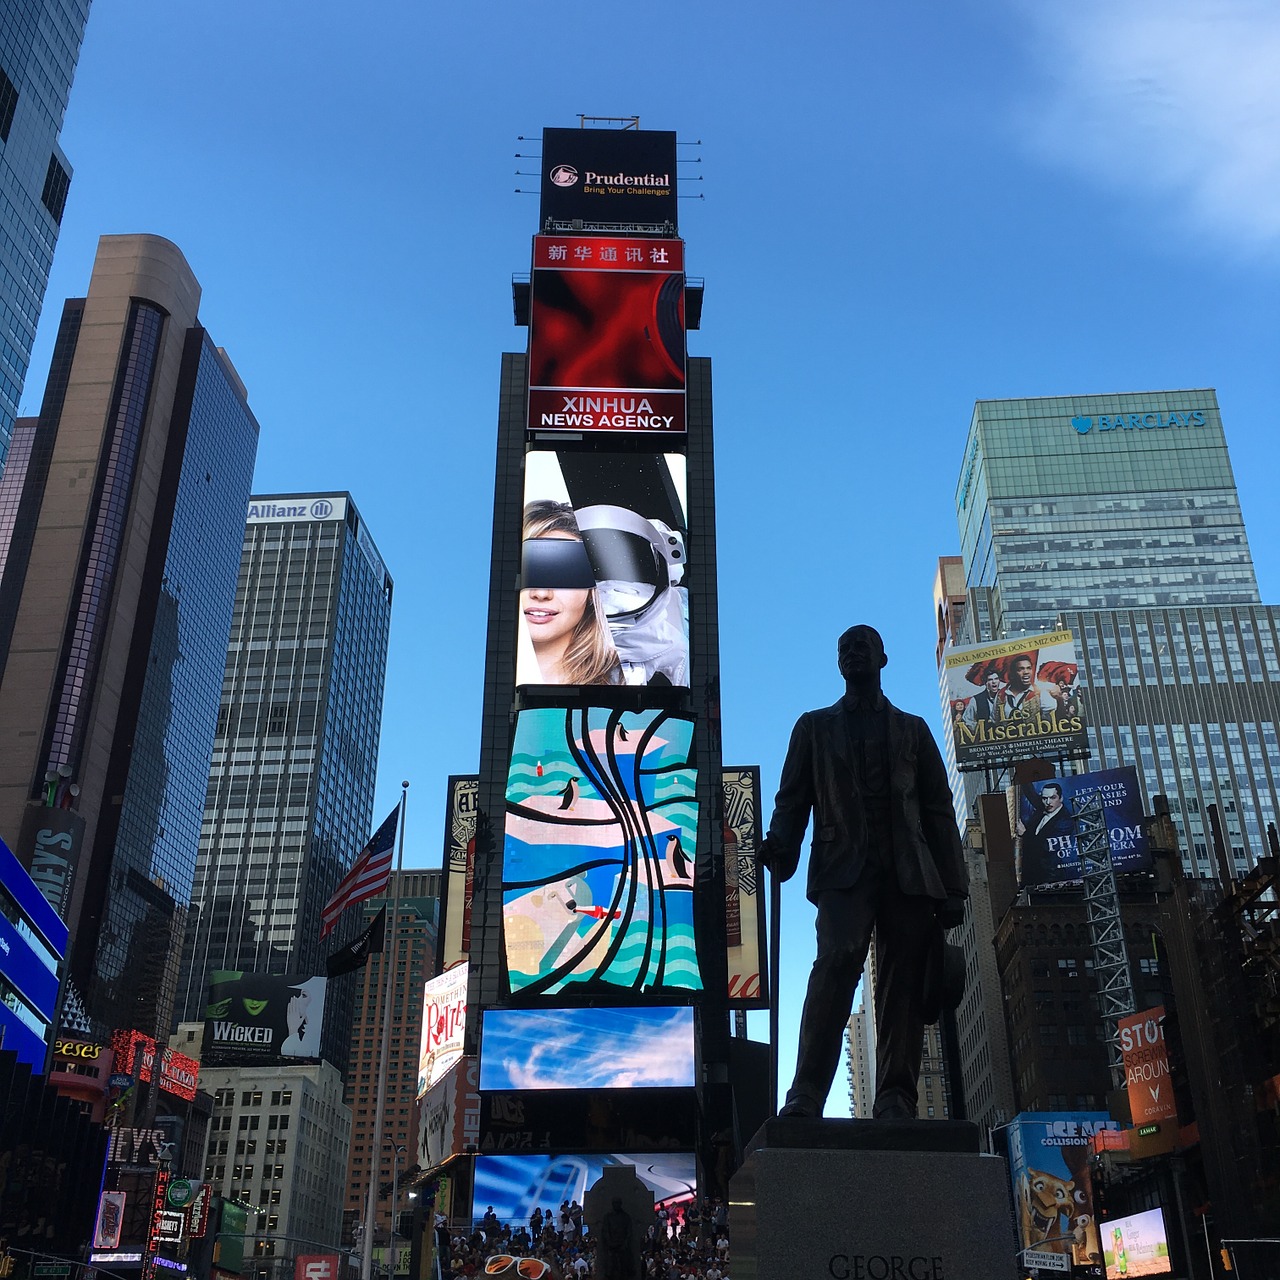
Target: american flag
<point>368,877</point>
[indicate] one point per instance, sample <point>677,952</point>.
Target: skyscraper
<point>119,528</point>
<point>39,48</point>
<point>1118,518</point>
<point>417,895</point>
<point>1115,517</point>
<point>290,788</point>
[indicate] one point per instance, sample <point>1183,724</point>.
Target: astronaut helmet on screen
<point>639,566</point>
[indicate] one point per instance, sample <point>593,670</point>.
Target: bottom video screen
<point>515,1185</point>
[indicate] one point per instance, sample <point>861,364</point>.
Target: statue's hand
<point>768,854</point>
<point>951,912</point>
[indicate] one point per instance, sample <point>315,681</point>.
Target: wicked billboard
<point>262,1017</point>
<point>1016,700</point>
<point>609,176</point>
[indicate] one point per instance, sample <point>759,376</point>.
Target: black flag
<point>354,955</point>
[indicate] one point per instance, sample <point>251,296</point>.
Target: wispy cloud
<point>1173,99</point>
<point>588,1049</point>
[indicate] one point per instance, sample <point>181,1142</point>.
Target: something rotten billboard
<point>609,175</point>
<point>602,598</point>
<point>607,335</point>
<point>598,862</point>
<point>1016,700</point>
<point>260,1018</point>
<point>1043,822</point>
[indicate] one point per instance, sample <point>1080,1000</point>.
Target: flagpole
<point>389,965</point>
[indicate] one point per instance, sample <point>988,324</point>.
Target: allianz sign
<point>1130,421</point>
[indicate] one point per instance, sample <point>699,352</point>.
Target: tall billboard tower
<point>608,935</point>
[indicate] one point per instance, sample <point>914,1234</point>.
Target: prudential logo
<point>564,175</point>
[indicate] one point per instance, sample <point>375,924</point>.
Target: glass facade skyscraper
<point>117,576</point>
<point>39,49</point>
<point>289,801</point>
<point>1118,518</point>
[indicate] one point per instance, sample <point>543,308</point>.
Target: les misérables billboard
<point>609,175</point>
<point>1016,700</point>
<point>260,1018</point>
<point>607,335</point>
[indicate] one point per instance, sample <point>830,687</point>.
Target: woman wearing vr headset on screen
<point>600,599</point>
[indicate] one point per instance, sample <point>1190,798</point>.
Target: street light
<point>395,1197</point>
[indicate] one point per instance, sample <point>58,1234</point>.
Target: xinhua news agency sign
<point>1153,420</point>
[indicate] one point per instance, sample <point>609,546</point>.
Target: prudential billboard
<point>609,176</point>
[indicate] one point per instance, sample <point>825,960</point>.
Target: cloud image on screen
<point>513,1185</point>
<point>643,1048</point>
<point>598,860</point>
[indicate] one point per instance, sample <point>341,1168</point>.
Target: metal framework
<point>1102,909</point>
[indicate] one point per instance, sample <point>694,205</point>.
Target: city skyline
<point>971,246</point>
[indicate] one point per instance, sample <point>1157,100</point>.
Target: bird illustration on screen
<point>675,855</point>
<point>569,796</point>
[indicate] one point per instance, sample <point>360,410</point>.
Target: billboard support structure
<point>1102,909</point>
<point>388,963</point>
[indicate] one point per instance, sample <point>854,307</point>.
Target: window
<point>1075,1034</point>
<point>8,101</point>
<point>1149,965</point>
<point>1068,968</point>
<point>1048,1034</point>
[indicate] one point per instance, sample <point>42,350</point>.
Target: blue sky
<point>908,207</point>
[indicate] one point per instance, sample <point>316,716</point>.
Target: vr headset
<point>617,546</point>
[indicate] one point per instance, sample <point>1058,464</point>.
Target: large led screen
<point>1146,1066</point>
<point>514,1185</point>
<point>1016,700</point>
<point>598,862</point>
<point>444,1020</point>
<point>609,176</point>
<point>744,910</point>
<point>262,1017</point>
<point>1052,1188</point>
<point>1136,1246</point>
<point>607,335</point>
<point>641,1048</point>
<point>588,1120</point>
<point>603,599</point>
<point>1043,823</point>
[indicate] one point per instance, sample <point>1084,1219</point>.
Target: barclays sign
<point>1139,421</point>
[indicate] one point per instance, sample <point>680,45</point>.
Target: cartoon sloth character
<point>1043,1201</point>
<point>1086,1249</point>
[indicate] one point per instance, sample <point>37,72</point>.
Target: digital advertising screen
<point>1052,1189</point>
<point>603,599</point>
<point>1043,823</point>
<point>444,1021</point>
<point>514,1184</point>
<point>1016,700</point>
<point>580,1120</point>
<point>259,1018</point>
<point>448,1114</point>
<point>607,338</point>
<point>609,175</point>
<point>1136,1246</point>
<point>459,866</point>
<point>648,1047</point>
<point>1146,1066</point>
<point>744,910</point>
<point>598,867</point>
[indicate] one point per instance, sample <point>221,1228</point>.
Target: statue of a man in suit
<point>885,855</point>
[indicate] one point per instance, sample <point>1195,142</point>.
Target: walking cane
<point>775,933</point>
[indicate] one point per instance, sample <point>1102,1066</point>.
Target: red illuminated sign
<point>316,1266</point>
<point>179,1074</point>
<point>605,253</point>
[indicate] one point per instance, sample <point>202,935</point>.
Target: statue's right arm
<point>793,805</point>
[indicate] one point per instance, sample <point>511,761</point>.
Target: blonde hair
<point>590,657</point>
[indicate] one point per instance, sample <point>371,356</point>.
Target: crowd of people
<point>689,1241</point>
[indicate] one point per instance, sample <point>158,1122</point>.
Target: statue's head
<point>861,653</point>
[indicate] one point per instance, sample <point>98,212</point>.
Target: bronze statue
<point>885,855</point>
<point>615,1248</point>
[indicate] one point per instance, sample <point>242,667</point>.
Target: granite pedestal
<point>870,1200</point>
